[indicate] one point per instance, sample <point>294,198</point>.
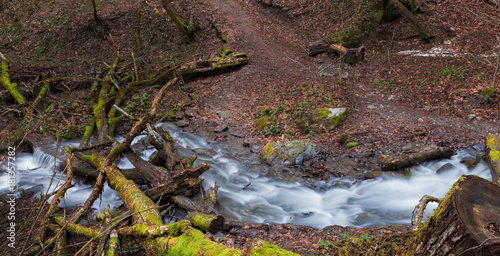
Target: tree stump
<point>467,221</point>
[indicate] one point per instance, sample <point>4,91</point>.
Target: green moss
<point>494,148</point>
<point>266,111</point>
<point>193,242</point>
<point>266,248</point>
<point>5,81</point>
<point>352,144</point>
<point>223,51</point>
<point>262,122</point>
<point>268,150</point>
<point>333,116</point>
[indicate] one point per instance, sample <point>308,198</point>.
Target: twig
<point>125,113</point>
<point>418,212</point>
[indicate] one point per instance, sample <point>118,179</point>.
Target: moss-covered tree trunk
<point>186,30</point>
<point>5,81</point>
<point>493,155</point>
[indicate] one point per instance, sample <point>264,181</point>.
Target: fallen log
<point>206,222</point>
<point>493,155</point>
<point>413,157</point>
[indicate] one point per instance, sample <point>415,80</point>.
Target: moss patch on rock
<point>331,117</point>
<point>285,153</point>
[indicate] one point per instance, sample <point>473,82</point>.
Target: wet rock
<point>182,123</point>
<point>372,175</point>
<point>286,153</point>
<point>299,160</point>
<point>471,162</point>
<point>468,161</point>
<point>222,114</point>
<point>445,168</point>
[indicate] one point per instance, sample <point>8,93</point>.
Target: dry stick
<point>91,146</point>
<point>139,126</point>
<point>125,113</point>
<point>67,184</point>
<point>420,208</point>
<point>96,191</point>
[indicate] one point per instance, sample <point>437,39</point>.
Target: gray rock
<point>445,168</point>
<point>299,160</point>
<point>220,128</point>
<point>286,153</point>
<point>190,113</point>
<point>237,134</point>
<point>249,141</point>
<point>222,114</point>
<point>182,123</point>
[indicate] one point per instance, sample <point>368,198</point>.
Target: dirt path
<point>273,50</point>
<point>379,119</point>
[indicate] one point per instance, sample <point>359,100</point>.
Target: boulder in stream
<point>286,153</point>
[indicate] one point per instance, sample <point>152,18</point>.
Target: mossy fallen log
<point>212,66</point>
<point>194,242</point>
<point>466,222</point>
<point>493,155</point>
<point>206,222</point>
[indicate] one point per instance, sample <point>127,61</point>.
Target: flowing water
<point>245,194</point>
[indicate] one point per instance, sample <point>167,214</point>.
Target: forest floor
<point>396,97</point>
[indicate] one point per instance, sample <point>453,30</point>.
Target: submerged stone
<point>287,153</point>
